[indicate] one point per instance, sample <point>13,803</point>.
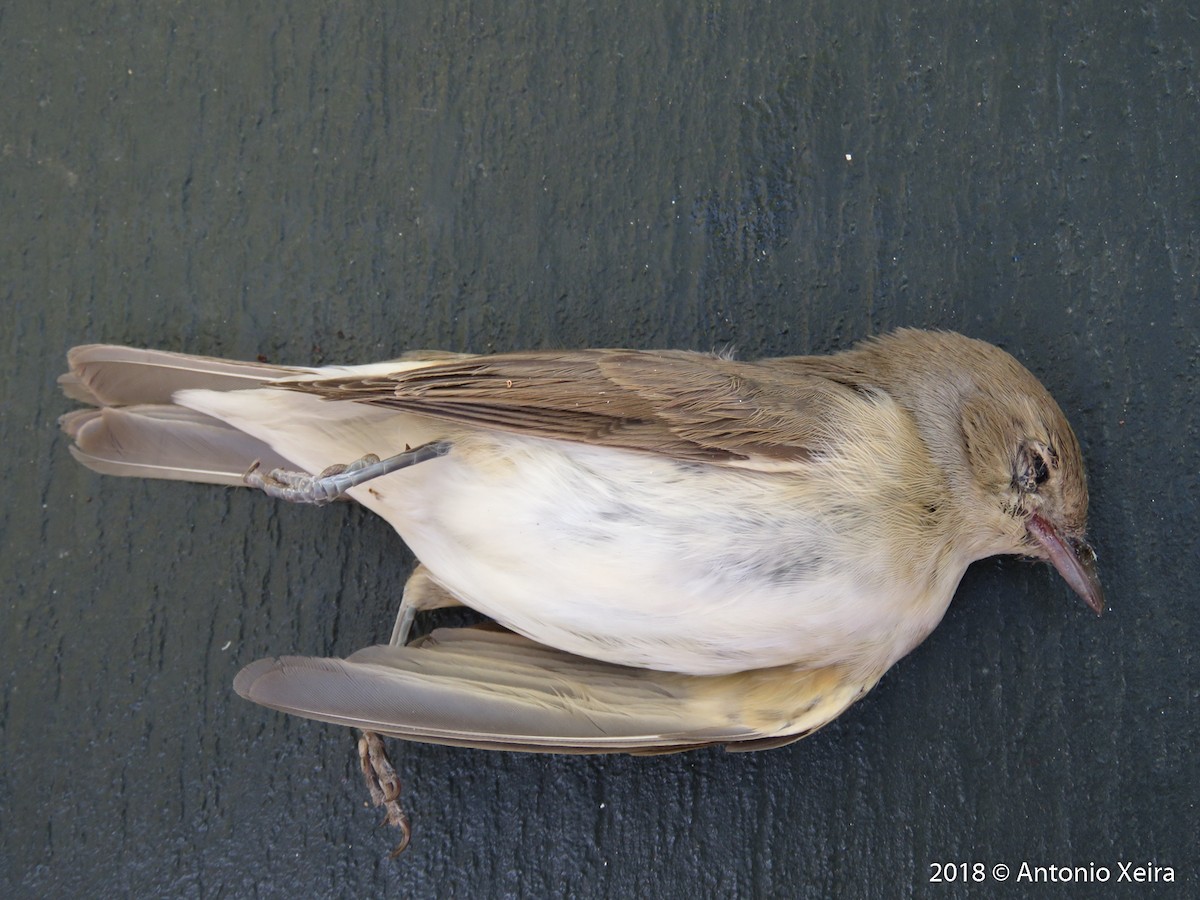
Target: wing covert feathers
<point>692,406</point>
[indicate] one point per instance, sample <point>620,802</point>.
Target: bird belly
<point>646,561</point>
<point>631,557</point>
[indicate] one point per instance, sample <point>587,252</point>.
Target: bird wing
<point>691,406</point>
<point>489,689</point>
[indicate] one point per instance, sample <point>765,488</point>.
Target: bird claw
<point>300,487</point>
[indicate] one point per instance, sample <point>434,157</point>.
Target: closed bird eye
<point>1040,470</point>
<point>1033,467</point>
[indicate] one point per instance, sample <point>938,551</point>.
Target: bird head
<point>1014,465</point>
<point>1028,469</point>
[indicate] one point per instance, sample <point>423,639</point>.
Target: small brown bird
<point>683,549</point>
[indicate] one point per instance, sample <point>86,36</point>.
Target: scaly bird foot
<point>332,483</point>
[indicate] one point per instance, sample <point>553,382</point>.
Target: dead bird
<point>682,549</point>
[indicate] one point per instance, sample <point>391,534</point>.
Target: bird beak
<point>1075,561</point>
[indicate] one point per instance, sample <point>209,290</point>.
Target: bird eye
<point>1040,470</point>
<point>1033,468</point>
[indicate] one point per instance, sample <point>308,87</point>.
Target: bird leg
<point>333,482</point>
<point>421,593</point>
<point>384,786</point>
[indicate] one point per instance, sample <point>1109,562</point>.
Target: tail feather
<point>165,442</point>
<point>194,418</point>
<point>108,375</point>
<point>135,429</point>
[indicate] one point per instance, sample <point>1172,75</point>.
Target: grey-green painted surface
<point>342,182</point>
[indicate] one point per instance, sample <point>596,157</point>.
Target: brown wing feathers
<point>688,405</point>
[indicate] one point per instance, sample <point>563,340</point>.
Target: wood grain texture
<point>308,184</point>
